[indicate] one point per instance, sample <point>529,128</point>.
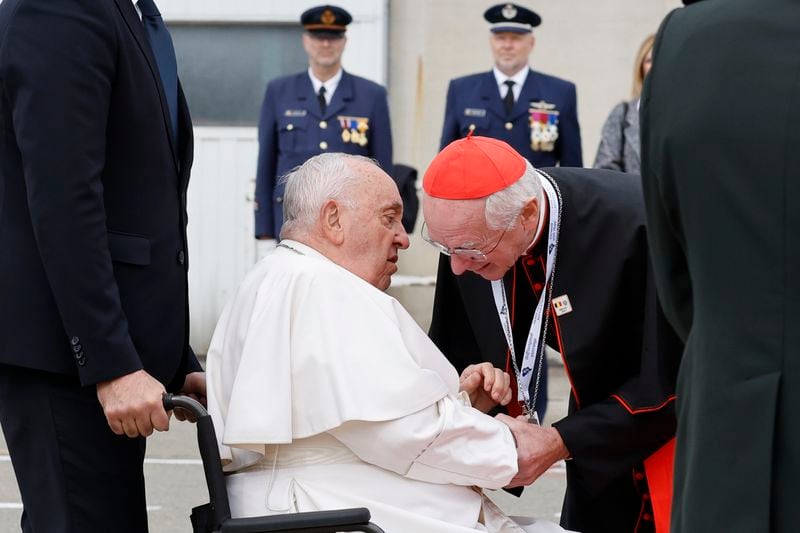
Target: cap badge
<point>509,11</point>
<point>328,17</point>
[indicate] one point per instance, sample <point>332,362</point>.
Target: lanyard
<point>534,346</point>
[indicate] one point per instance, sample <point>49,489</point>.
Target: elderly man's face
<point>374,231</point>
<point>511,50</point>
<point>462,224</point>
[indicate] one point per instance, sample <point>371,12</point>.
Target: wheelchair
<point>215,516</point>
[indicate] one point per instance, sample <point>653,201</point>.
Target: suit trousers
<point>74,473</point>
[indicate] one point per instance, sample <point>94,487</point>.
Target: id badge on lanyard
<point>534,345</point>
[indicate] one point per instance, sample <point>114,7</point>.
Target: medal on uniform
<point>363,126</point>
<point>544,126</point>
<point>354,129</point>
<point>534,345</point>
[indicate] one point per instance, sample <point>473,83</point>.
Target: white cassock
<point>326,394</point>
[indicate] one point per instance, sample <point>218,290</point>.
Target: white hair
<point>324,177</point>
<point>502,206</point>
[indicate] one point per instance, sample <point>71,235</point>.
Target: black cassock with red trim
<point>620,354</point>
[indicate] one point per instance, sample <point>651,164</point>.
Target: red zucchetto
<point>471,168</point>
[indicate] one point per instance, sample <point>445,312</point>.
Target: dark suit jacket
<point>473,102</point>
<point>721,166</point>
<point>292,129</point>
<point>92,196</point>
<point>619,353</point>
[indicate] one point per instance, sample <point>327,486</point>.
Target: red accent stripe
<point>563,350</point>
<point>337,27</point>
<point>639,410</point>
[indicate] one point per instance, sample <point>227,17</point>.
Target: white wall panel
<point>220,204</point>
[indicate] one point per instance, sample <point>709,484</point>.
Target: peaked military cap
<point>512,17</point>
<point>325,19</point>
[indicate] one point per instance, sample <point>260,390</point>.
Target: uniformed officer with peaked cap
<point>533,112</point>
<point>323,109</point>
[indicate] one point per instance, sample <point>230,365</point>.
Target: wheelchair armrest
<point>319,521</point>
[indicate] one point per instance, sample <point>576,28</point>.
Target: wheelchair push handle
<point>171,401</point>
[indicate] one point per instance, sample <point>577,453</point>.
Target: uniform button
<point>278,199</point>
<point>290,127</point>
<point>509,125</point>
<point>181,257</point>
<point>323,145</point>
<point>323,124</point>
<point>638,476</point>
<point>74,340</point>
<point>647,516</point>
<point>472,127</point>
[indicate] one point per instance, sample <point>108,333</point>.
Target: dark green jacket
<point>720,121</point>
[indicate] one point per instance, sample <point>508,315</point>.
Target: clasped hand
<point>486,386</point>
<point>538,448</point>
<point>133,403</point>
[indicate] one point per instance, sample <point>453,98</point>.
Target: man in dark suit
<point>572,241</point>
<point>720,130</point>
<point>324,109</point>
<point>535,113</point>
<point>96,148</point>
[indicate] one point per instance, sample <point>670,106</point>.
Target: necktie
<point>164,52</point>
<point>508,101</point>
<point>323,105</point>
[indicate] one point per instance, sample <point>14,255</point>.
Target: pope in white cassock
<point>326,394</point>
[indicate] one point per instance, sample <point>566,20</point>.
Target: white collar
<point>330,85</point>
<point>518,78</point>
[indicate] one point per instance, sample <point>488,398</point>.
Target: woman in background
<point>619,144</point>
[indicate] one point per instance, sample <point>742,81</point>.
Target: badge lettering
<point>474,112</point>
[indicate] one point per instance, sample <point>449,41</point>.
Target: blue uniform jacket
<point>292,129</point>
<point>473,102</point>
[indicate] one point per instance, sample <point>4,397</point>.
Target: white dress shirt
<point>518,79</point>
<point>330,85</point>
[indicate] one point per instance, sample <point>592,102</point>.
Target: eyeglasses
<point>471,254</point>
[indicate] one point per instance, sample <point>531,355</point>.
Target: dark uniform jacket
<point>92,197</point>
<point>474,103</point>
<point>619,353</point>
<point>293,129</point>
<point>721,167</point>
